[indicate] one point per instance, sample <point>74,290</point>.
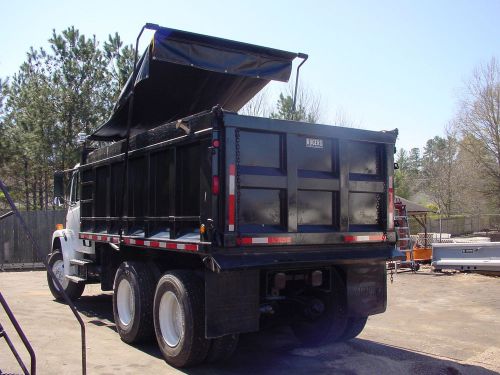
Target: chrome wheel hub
<point>125,302</point>
<point>171,319</point>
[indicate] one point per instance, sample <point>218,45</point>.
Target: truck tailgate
<point>292,183</point>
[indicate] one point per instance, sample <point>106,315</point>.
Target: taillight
<point>216,143</point>
<point>215,185</point>
<point>390,204</point>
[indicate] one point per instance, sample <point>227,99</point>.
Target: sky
<point>384,64</point>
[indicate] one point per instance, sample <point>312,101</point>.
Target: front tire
<point>133,302</point>
<point>179,319</point>
<point>73,290</point>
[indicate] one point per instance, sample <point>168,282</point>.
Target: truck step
<point>75,279</point>
<point>80,262</point>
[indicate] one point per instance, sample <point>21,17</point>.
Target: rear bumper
<point>233,297</point>
<point>291,256</point>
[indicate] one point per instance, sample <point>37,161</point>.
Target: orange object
<point>59,226</point>
<point>420,254</point>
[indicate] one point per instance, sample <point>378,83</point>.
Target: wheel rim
<point>125,302</point>
<point>58,270</point>
<point>171,319</point>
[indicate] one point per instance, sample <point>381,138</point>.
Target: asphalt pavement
<point>434,324</point>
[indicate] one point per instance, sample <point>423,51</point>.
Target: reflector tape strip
<point>162,244</point>
<point>264,240</point>
<point>377,237</point>
<point>100,238</point>
<point>139,242</point>
<point>231,203</point>
<point>390,206</point>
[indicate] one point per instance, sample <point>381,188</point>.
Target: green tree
<point>285,110</point>
<point>56,94</point>
<point>120,61</point>
<point>414,163</point>
<point>3,95</point>
<point>81,87</point>
<point>439,172</point>
<point>407,177</point>
<point>28,129</point>
<point>402,185</point>
<point>307,106</point>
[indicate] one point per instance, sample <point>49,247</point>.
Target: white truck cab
<point>67,249</point>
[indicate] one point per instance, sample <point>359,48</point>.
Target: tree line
<point>459,173</point>
<point>58,92</point>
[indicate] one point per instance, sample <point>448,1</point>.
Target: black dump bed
<point>255,185</point>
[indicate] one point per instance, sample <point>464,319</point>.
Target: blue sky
<point>386,64</point>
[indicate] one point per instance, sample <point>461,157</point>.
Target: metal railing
<point>23,337</point>
<point>15,211</point>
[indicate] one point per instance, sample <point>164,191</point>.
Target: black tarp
<point>183,73</point>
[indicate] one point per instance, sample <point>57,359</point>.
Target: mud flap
<point>366,289</point>
<point>231,302</point>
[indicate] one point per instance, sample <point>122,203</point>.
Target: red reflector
<point>350,239</point>
<point>215,143</point>
<point>215,185</point>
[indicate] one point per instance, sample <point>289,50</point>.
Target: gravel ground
<point>434,324</point>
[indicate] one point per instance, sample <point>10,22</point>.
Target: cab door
<point>73,215</point>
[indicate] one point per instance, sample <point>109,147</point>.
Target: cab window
<point>75,191</point>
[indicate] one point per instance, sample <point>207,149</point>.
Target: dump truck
<point>207,224</point>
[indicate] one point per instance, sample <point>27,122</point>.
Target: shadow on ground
<point>98,308</point>
<point>277,351</point>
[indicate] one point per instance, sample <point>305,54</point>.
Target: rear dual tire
<point>222,348</point>
<point>173,312</point>
<point>333,325</point>
<point>353,328</point>
<point>133,302</point>
<point>179,321</point>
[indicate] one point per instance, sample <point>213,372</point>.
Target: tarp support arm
<point>149,26</point>
<point>304,58</point>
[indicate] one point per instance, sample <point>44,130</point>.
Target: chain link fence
<point>459,225</point>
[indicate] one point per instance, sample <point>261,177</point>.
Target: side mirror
<point>81,138</point>
<point>58,188</point>
<point>58,201</point>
